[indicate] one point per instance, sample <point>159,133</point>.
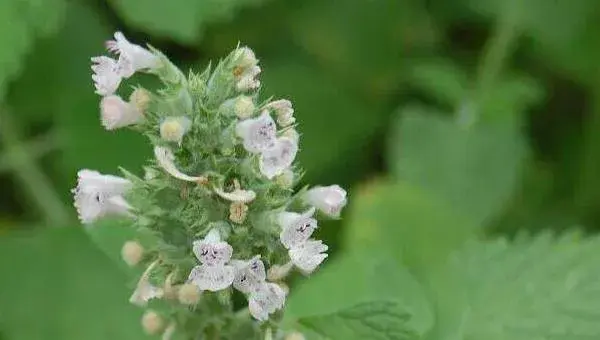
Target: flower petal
<point>258,134</point>
<point>276,160</point>
<point>296,228</point>
<point>309,255</point>
<point>237,195</point>
<point>213,278</point>
<point>166,160</point>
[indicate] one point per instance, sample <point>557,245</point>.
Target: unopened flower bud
<point>292,134</point>
<point>117,113</point>
<point>189,294</point>
<point>132,253</point>
<point>329,200</point>
<point>284,111</point>
<point>245,57</point>
<point>243,107</point>
<point>173,129</point>
<point>295,336</point>
<point>277,273</point>
<point>286,179</point>
<point>152,322</point>
<point>238,212</point>
<point>140,98</point>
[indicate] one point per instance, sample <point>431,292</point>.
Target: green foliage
<point>21,22</point>
<point>541,287</point>
<point>69,286</point>
<point>374,320</point>
<point>475,169</point>
<point>364,292</point>
<point>156,16</point>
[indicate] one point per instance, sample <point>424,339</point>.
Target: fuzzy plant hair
<point>218,223</point>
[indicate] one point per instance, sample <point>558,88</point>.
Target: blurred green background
<point>442,118</point>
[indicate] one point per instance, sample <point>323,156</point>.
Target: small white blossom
<point>238,195</point>
<point>275,160</point>
<point>283,110</point>
<point>330,200</point>
<point>249,274</point>
<point>258,134</point>
<point>307,256</point>
<point>144,290</point>
<point>265,300</point>
<point>98,195</point>
<point>243,107</point>
<point>296,228</point>
<point>247,81</point>
<point>116,113</point>
<point>214,273</point>
<point>172,129</point>
<point>106,75</point>
<point>132,57</point>
<point>166,160</point>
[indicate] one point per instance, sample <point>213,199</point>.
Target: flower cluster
<point>216,206</point>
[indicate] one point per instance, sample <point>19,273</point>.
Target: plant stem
<point>36,148</point>
<point>498,48</point>
<point>30,176</point>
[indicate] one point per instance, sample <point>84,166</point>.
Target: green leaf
<point>353,284</point>
<point>474,169</point>
<point>370,55</point>
<point>442,79</point>
<point>181,20</point>
<point>542,287</point>
<point>57,285</point>
<point>417,227</point>
<point>21,22</point>
<point>377,320</point>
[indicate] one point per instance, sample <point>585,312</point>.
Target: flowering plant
<point>217,218</point>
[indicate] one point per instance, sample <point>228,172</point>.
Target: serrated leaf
<point>59,286</point>
<point>21,22</point>
<point>542,287</point>
<point>474,169</point>
<point>376,320</point>
<point>181,20</point>
<point>353,282</point>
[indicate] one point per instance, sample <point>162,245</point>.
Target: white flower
<point>249,274</point>
<point>265,300</point>
<point>238,195</point>
<point>98,195</point>
<point>307,256</point>
<point>166,160</point>
<point>116,113</point>
<point>258,134</point>
<point>284,111</point>
<point>213,274</point>
<point>275,160</point>
<point>132,57</point>
<point>330,200</point>
<point>172,129</point>
<point>145,291</point>
<point>106,75</point>
<point>247,80</point>
<point>296,228</point>
<point>243,107</point>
